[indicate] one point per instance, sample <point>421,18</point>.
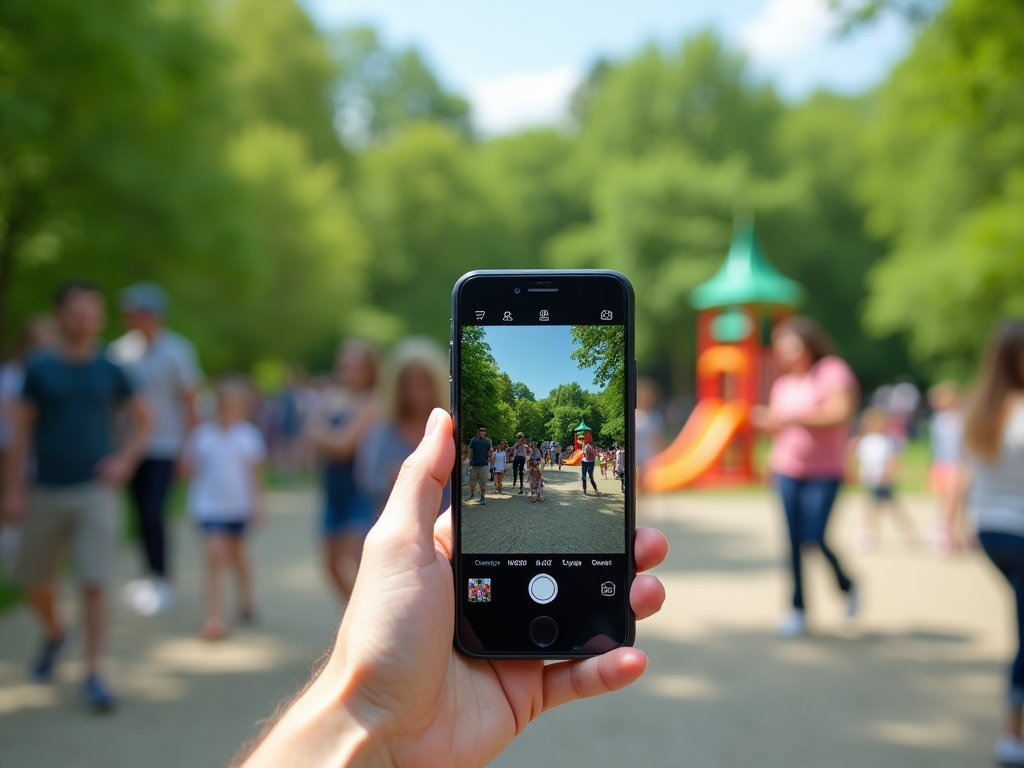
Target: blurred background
<point>295,173</point>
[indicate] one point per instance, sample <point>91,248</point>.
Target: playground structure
<point>737,310</point>
<point>581,436</point>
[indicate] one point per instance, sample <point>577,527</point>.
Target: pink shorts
<point>942,477</point>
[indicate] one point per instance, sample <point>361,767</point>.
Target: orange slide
<point>700,444</point>
<point>574,459</point>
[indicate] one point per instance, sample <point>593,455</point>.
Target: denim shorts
<point>223,527</point>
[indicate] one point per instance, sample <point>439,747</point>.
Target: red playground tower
<point>736,311</point>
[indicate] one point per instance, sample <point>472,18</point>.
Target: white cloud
<point>522,99</point>
<point>788,29</point>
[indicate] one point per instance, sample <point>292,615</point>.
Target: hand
<point>115,469</point>
<point>15,505</point>
<point>762,417</point>
<point>394,692</point>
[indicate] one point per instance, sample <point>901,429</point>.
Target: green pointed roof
<point>582,428</point>
<point>746,277</point>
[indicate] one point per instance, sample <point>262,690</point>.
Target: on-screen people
<point>65,422</point>
<point>556,448</point>
<point>809,413</point>
<point>536,477</point>
<point>519,451</point>
<point>393,689</point>
<point>164,368</point>
<point>479,463</point>
<point>620,465</point>
<point>500,461</point>
<point>224,460</point>
<point>991,473</point>
<point>348,408</point>
<point>877,454</point>
<point>587,466</point>
<point>413,382</point>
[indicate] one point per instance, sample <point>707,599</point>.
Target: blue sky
<point>518,61</point>
<point>538,356</point>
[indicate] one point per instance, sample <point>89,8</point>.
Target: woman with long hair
<point>993,470</point>
<point>347,410</point>
<point>414,381</point>
<point>809,412</point>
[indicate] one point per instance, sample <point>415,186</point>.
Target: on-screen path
<point>918,682</point>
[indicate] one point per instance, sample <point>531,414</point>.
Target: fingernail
<point>435,417</point>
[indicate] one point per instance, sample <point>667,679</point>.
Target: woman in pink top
<point>809,413</point>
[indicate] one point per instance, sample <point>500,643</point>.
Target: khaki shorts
<point>479,475</point>
<point>83,517</point>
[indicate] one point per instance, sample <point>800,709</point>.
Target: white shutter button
<point>543,588</point>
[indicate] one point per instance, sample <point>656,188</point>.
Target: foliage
<point>945,185</point>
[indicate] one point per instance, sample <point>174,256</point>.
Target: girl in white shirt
<point>224,459</point>
<point>993,471</point>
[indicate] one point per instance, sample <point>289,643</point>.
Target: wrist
<point>327,727</point>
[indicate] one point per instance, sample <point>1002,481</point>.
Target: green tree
<point>111,128</point>
<point>945,185</point>
<point>311,250</point>
<point>430,220</point>
<point>480,383</point>
<point>282,72</point>
<point>603,350</point>
<point>522,392</point>
<point>383,91</point>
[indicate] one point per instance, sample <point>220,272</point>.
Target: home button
<point>543,631</point>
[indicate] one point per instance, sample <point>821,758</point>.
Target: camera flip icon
<point>608,589</point>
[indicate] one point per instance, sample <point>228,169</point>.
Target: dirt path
<point>917,682</point>
<point>567,521</point>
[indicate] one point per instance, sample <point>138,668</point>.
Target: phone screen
<point>545,478</point>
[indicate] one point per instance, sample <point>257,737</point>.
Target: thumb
<point>412,507</point>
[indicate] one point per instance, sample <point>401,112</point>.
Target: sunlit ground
<point>916,682</point>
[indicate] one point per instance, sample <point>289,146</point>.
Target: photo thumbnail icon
<point>479,590</point>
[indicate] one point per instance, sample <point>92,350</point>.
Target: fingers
<point>412,506</point>
<point>646,596</point>
<point>650,547</point>
<point>572,680</point>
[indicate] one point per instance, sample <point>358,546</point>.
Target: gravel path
<point>916,683</point>
<point>566,522</point>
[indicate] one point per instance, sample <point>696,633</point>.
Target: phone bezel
<point>536,276</point>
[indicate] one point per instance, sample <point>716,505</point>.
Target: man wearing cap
<point>164,368</point>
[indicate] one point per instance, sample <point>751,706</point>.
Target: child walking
<point>536,478</point>
<point>877,456</point>
<point>947,426</point>
<point>224,459</point>
<point>498,468</point>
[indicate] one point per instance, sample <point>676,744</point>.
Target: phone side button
<point>543,631</point>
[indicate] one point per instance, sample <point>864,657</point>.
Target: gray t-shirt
<point>162,372</point>
<point>997,492</point>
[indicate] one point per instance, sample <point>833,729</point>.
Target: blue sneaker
<point>42,671</point>
<point>482,502</point>
<point>97,696</point>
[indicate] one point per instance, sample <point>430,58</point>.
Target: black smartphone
<point>543,492</point>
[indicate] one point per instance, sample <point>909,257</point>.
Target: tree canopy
<point>290,184</point>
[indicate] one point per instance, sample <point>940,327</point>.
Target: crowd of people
<point>84,425</point>
<point>81,422</point>
<point>484,462</point>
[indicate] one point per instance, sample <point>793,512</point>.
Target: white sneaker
<point>134,591</point>
<point>794,625</point>
<point>164,597</point>
<point>852,603</point>
<point>1009,750</point>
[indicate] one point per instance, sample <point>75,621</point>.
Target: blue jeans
<point>588,469</point>
<point>1006,551</point>
<point>808,504</point>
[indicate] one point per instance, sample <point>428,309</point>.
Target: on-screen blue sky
<point>538,356</point>
<point>517,60</point>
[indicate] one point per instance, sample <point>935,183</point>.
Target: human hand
<point>394,692</point>
<point>115,469</point>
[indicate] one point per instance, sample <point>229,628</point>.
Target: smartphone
<point>543,501</point>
